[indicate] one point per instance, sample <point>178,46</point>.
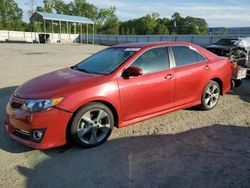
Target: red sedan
<point>118,86</point>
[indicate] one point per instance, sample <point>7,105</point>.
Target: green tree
<point>177,24</point>
<point>107,22</point>
<point>161,29</point>
<point>60,7</point>
<point>203,27</point>
<point>10,15</point>
<point>82,8</point>
<point>127,31</point>
<point>122,31</point>
<point>48,6</point>
<point>142,26</point>
<point>133,31</point>
<point>188,25</point>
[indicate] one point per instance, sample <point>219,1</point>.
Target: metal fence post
<point>192,38</point>
<point>8,35</point>
<point>211,39</point>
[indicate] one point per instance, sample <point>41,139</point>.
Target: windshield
<point>106,61</point>
<point>226,42</point>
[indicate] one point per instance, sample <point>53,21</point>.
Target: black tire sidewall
<point>80,113</point>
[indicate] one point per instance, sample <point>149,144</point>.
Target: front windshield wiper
<point>84,70</point>
<point>77,68</point>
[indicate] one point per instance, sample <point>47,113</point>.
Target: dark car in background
<point>227,47</point>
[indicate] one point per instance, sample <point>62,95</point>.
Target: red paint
<point>134,99</point>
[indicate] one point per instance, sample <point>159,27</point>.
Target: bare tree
<point>32,6</point>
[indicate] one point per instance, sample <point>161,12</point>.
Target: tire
<point>210,96</point>
<point>92,125</point>
<point>238,83</point>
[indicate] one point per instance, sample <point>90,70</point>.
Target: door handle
<point>169,77</point>
<point>207,67</point>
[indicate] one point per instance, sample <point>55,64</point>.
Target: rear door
<point>151,92</point>
<point>192,71</point>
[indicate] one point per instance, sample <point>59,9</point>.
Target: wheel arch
<point>108,104</point>
<point>219,81</point>
<point>112,108</point>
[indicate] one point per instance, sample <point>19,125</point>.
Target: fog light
<point>38,135</point>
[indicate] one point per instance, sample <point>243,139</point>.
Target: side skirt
<point>143,118</point>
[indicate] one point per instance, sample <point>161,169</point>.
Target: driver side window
<point>153,60</point>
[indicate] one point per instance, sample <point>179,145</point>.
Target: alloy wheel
<point>93,126</point>
<point>212,96</point>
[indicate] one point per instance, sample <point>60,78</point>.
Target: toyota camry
<point>116,87</point>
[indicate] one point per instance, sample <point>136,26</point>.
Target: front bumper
<point>53,122</point>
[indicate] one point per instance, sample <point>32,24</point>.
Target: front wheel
<point>92,125</point>
<point>210,96</point>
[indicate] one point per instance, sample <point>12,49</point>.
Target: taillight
<point>234,68</point>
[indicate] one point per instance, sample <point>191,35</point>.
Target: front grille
<point>22,134</point>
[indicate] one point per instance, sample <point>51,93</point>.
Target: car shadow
<point>214,156</point>
<point>243,91</point>
<point>6,143</point>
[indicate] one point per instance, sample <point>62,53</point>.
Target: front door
<point>151,92</point>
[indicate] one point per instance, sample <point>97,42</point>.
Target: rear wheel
<point>92,125</point>
<point>210,96</point>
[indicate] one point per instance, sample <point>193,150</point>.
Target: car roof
<point>150,44</point>
<point>145,45</point>
<point>233,38</point>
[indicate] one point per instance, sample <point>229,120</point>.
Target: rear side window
<point>153,60</point>
<point>185,56</point>
<point>200,58</point>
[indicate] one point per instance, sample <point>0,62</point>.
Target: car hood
<point>219,47</point>
<point>59,83</point>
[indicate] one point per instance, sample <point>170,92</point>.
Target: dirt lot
<point>188,148</point>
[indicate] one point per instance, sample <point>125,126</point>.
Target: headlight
<point>40,104</point>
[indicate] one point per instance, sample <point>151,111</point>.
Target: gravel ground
<point>187,148</point>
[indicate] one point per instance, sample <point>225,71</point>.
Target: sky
<point>218,13</point>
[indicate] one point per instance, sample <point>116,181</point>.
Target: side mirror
<point>132,72</point>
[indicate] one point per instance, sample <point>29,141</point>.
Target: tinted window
<point>200,58</point>
<point>153,60</point>
<point>105,61</point>
<point>184,56</point>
